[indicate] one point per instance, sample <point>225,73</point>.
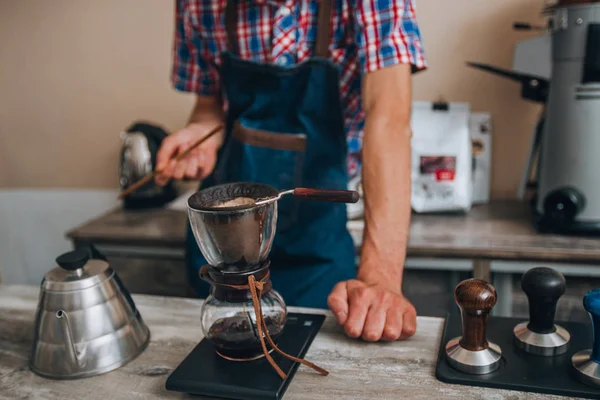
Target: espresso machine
<point>566,140</point>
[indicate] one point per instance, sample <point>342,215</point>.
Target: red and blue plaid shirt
<point>367,35</point>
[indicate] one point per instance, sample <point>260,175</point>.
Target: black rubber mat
<point>520,370</point>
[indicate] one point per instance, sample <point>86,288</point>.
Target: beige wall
<point>73,73</point>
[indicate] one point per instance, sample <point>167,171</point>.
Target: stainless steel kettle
<point>86,321</point>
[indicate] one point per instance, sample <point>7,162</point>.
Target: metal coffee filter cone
<point>235,238</point>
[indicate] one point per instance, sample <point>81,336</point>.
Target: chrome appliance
<point>140,144</point>
<point>86,322</point>
<point>567,197</point>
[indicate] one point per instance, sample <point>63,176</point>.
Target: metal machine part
<point>533,87</point>
<point>568,197</point>
<point>472,353</point>
<point>86,322</point>
<point>533,56</point>
<point>543,287</point>
<point>587,362</point>
<point>136,159</point>
<point>140,144</point>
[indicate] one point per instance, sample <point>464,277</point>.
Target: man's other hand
<point>372,311</point>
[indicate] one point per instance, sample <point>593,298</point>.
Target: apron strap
<point>230,26</point>
<point>323,27</point>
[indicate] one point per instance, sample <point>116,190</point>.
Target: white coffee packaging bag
<point>441,159</point>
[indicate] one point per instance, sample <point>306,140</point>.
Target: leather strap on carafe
<point>256,290</point>
<point>323,27</point>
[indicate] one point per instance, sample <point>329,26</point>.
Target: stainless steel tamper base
<point>541,344</point>
<point>587,371</point>
<point>473,362</point>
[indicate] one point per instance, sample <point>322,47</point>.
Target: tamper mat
<point>519,370</point>
<point>204,372</point>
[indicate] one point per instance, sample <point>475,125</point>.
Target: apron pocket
<point>275,159</point>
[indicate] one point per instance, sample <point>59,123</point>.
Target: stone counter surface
<point>359,370</point>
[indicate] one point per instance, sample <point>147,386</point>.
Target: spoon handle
<point>334,196</point>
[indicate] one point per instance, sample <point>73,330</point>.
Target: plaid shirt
<point>367,35</point>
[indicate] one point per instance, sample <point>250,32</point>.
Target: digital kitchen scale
<point>204,372</point>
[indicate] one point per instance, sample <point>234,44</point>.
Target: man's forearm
<point>386,180</point>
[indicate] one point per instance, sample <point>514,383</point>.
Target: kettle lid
<point>76,270</point>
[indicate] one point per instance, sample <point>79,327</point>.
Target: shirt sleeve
<point>387,33</point>
<point>193,67</point>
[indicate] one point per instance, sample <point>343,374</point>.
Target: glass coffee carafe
<point>236,240</point>
<point>229,319</point>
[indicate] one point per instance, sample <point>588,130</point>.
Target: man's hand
<point>372,311</point>
<point>197,165</point>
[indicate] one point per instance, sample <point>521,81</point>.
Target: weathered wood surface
<point>359,370</point>
<point>501,230</point>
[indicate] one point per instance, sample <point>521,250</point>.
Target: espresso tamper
<point>543,287</point>
<point>587,362</point>
<point>472,353</point>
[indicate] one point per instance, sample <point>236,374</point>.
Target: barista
<point>312,89</point>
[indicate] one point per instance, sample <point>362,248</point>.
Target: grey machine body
<point>568,194</point>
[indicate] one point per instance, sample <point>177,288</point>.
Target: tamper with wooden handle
<point>543,287</point>
<point>472,353</point>
<point>587,362</point>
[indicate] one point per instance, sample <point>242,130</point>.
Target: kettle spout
<point>76,357</point>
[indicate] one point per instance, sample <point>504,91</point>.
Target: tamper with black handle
<point>587,362</point>
<point>540,336</point>
<point>472,353</point>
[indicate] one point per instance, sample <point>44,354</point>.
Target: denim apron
<point>284,128</point>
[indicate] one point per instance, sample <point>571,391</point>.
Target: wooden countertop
<point>501,230</point>
<point>159,227</point>
<point>359,370</point>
